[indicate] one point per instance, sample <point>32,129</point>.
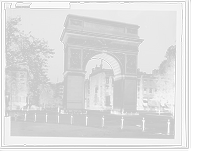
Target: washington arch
<point>116,42</point>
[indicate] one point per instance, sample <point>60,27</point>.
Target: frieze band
<point>102,43</point>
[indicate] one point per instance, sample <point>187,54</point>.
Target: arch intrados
<point>110,58</point>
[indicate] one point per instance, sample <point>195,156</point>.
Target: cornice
<point>98,35</point>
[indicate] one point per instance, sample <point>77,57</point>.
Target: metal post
<point>71,119</point>
<point>46,117</point>
<point>143,124</point>
<point>168,127</point>
<point>58,118</point>
<point>86,120</point>
<point>15,116</point>
<point>103,121</point>
<point>25,116</point>
<point>35,117</point>
<point>122,122</point>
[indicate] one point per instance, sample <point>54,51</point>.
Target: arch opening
<point>99,81</point>
<point>109,59</point>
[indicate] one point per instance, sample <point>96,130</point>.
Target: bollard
<point>122,122</point>
<point>46,117</point>
<point>25,116</point>
<point>35,117</point>
<point>58,118</point>
<point>86,120</point>
<point>71,120</point>
<point>15,116</point>
<point>103,121</point>
<point>143,124</point>
<point>168,127</point>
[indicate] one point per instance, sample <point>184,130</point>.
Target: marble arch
<point>85,37</point>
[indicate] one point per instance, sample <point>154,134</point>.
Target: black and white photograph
<point>77,74</point>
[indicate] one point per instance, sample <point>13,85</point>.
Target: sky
<point>157,29</point>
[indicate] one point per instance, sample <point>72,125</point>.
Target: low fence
<point>86,120</point>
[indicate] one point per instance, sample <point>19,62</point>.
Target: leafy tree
<point>58,101</point>
<point>166,79</point>
<point>46,98</point>
<point>23,48</point>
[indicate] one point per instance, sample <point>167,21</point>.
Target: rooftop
<point>99,69</point>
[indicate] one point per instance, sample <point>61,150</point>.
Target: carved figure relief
<point>75,60</point>
<point>131,64</point>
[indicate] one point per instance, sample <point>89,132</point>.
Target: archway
<point>116,42</point>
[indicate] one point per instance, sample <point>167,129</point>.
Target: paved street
<point>92,124</point>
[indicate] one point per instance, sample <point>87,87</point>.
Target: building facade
<point>146,88</point>
<point>60,90</point>
<point>87,93</point>
<point>100,89</point>
<point>16,90</point>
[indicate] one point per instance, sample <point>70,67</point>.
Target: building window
<point>107,80</point>
<point>107,102</point>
